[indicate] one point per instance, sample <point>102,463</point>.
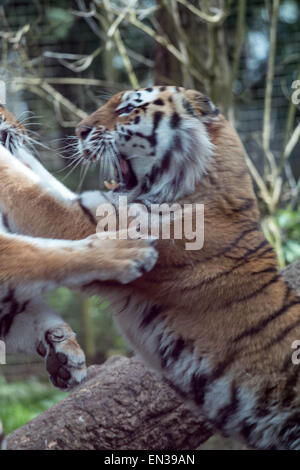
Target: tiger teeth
<point>111,185</point>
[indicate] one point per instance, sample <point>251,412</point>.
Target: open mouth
<point>120,175</point>
<point>115,170</point>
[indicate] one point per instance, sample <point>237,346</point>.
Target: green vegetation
<point>22,401</point>
<point>289,222</point>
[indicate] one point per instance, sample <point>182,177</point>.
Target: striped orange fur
<point>217,323</point>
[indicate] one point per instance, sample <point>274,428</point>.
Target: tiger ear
<point>199,105</point>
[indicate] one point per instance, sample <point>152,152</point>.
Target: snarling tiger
<point>31,266</point>
<point>218,323</point>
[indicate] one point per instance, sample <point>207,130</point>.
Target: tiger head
<point>12,133</point>
<point>152,142</point>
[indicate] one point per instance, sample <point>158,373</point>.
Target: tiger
<point>216,323</point>
<point>33,265</point>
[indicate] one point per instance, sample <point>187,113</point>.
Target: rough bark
<point>292,275</point>
<point>121,405</point>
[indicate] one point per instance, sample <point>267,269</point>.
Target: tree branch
<point>121,405</point>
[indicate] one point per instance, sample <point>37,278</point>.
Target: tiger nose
<point>83,132</point>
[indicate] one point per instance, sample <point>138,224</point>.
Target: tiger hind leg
<point>65,360</point>
<point>39,330</point>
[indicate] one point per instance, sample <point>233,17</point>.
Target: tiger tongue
<point>123,166</point>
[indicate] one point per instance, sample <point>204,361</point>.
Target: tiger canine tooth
<point>112,185</point>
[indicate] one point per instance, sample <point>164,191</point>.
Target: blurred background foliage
<point>63,58</point>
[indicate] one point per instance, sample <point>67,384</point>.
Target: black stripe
<point>128,298</point>
<point>171,351</point>
<point>222,366</point>
<point>5,222</point>
<point>15,308</point>
<point>233,245</point>
<point>247,204</point>
<point>209,280</point>
<point>257,291</point>
<point>288,290</point>
<point>200,382</point>
<point>271,269</point>
<point>177,144</point>
<point>224,273</point>
<point>178,348</point>
<point>287,363</point>
<point>269,249</point>
<point>155,172</point>
<point>265,399</point>
<point>198,387</point>
<point>283,332</point>
<point>243,260</point>
<point>156,120</point>
<point>247,429</point>
<point>265,321</point>
<point>151,315</point>
<point>249,251</point>
<point>175,120</point>
<point>289,431</point>
<point>145,185</point>
<point>229,410</point>
<point>166,160</point>
<point>177,180</point>
<point>189,108</point>
<point>290,392</point>
<point>87,212</point>
<point>150,138</point>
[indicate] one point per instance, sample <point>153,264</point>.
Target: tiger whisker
<point>72,169</point>
<point>74,160</point>
<point>83,176</point>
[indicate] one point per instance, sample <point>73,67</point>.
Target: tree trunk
<point>121,405</point>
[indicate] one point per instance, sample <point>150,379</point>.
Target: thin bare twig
<point>269,87</point>
<point>217,18</point>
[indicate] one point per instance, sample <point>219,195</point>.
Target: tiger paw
<point>134,259</point>
<point>65,360</point>
<point>121,260</point>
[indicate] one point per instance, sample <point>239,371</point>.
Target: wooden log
<point>121,405</point>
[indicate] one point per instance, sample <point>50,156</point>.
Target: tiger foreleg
<point>35,203</point>
<point>35,265</point>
